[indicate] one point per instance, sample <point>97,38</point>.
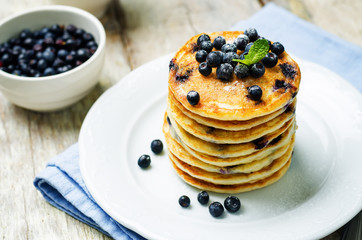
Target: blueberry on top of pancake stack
<point>232,96</point>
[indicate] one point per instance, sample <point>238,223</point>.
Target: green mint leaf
<point>256,53</point>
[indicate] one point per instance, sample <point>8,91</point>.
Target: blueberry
<point>224,72</point>
<point>79,32</point>
<point>25,33</point>
<point>201,56</point>
<point>204,69</point>
<point>270,60</point>
<point>203,197</point>
<point>144,161</point>
<point>252,34</point>
<point>242,56</point>
<point>228,58</point>
<point>232,204</point>
<point>83,54</point>
<point>257,70</point>
<point>193,97</point>
<point>58,63</point>
<point>7,59</point>
<point>16,72</point>
<point>55,29</point>
<point>49,71</point>
<point>214,59</point>
<point>71,29</point>
<point>33,63</point>
<point>69,59</point>
<point>66,36</point>
<point>255,92</point>
<point>216,209</point>
<point>219,41</point>
<point>202,38</point>
<point>228,47</point>
<point>247,48</point>
<point>156,146</point>
<point>277,48</point>
<point>48,41</point>
<point>41,65</point>
<point>241,71</point>
<point>206,45</point>
<point>62,53</point>
<point>87,37</point>
<point>184,201</point>
<point>241,41</point>
<point>24,68</point>
<point>91,44</point>
<point>48,56</point>
<point>37,47</point>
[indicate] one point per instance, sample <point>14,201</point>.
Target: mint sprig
<point>256,53</point>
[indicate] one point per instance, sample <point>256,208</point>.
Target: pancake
<point>227,125</point>
<point>226,150</point>
<point>227,137</point>
<point>282,141</point>
<point>236,178</point>
<point>236,188</point>
<point>177,149</point>
<point>228,100</point>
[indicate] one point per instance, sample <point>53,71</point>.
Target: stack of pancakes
<point>227,142</point>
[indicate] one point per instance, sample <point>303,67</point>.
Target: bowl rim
<point>78,11</point>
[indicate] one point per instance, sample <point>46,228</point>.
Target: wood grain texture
<point>137,32</point>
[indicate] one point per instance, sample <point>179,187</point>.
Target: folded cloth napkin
<point>61,182</point>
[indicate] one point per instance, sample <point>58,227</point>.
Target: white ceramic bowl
<point>58,91</point>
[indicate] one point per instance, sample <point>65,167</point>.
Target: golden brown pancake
<point>221,136</point>
<point>236,188</point>
<point>227,125</point>
<point>226,150</point>
<point>228,100</point>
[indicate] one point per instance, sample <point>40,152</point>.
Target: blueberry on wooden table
<point>184,201</point>
<point>216,209</point>
<point>232,204</point>
<point>157,146</point>
<point>203,197</point>
<point>144,161</point>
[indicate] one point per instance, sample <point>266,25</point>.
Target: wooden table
<point>137,32</point>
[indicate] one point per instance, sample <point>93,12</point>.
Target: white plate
<point>321,191</point>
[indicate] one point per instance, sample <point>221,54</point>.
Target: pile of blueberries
<point>226,52</point>
<point>48,51</point>
<point>216,209</point>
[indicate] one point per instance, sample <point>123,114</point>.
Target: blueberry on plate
<point>193,97</point>
<point>203,197</point>
<point>252,34</point>
<point>224,72</point>
<point>241,70</point>
<point>156,146</point>
<point>277,48</point>
<point>204,69</point>
<point>184,201</point>
<point>241,41</point>
<point>228,58</point>
<point>201,56</point>
<point>232,204</point>
<point>216,209</point>
<point>219,41</point>
<point>270,60</point>
<point>257,70</point>
<point>255,92</point>
<point>214,59</point>
<point>229,47</point>
<point>144,161</point>
<point>202,38</point>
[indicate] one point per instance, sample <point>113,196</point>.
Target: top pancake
<point>228,100</point>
